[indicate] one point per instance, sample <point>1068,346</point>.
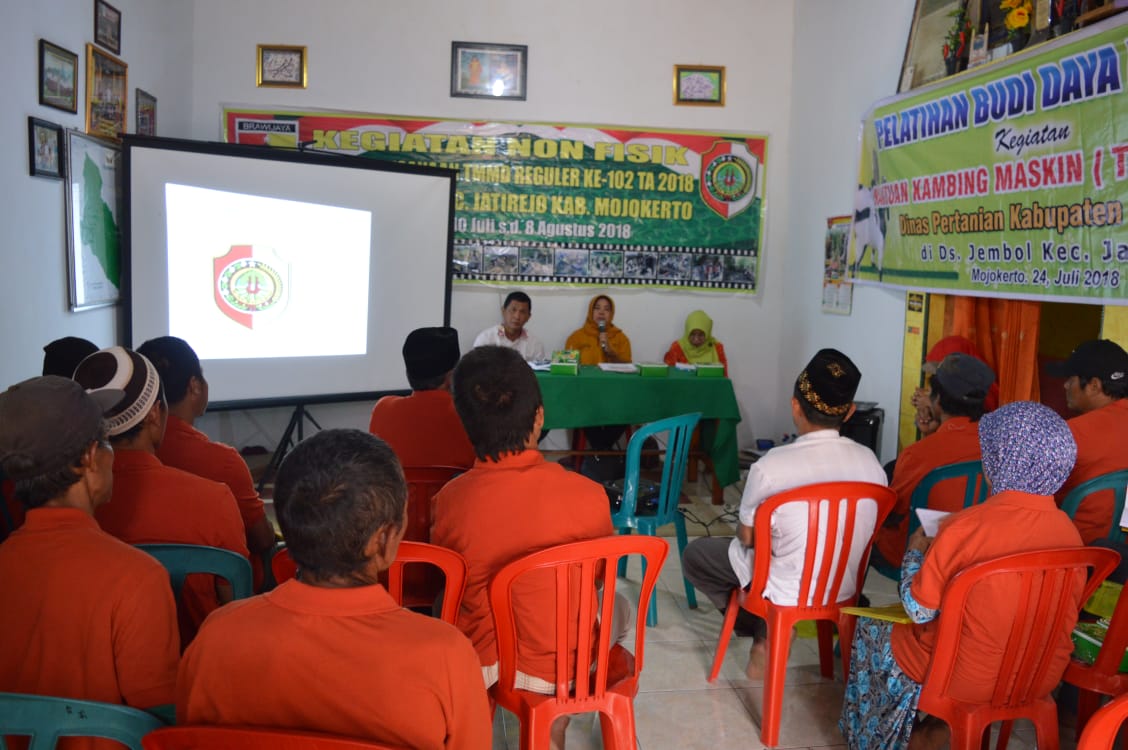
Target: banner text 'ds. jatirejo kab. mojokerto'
<point>1009,180</point>
<point>565,204</point>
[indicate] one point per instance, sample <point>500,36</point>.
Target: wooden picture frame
<point>106,93</point>
<point>488,71</point>
<point>281,66</point>
<point>923,62</point>
<point>107,26</point>
<point>58,77</point>
<point>144,113</point>
<point>45,156</point>
<point>699,85</point>
<point>93,203</point>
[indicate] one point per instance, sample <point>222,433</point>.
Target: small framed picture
<point>145,113</point>
<point>58,77</point>
<point>280,65</point>
<point>106,93</point>
<point>107,26</point>
<point>44,148</point>
<point>488,71</point>
<point>701,85</point>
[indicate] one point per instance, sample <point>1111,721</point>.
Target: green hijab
<point>707,352</point>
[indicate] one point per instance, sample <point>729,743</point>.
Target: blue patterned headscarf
<point>1026,447</point>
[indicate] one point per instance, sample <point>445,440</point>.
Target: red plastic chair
<point>1101,732</point>
<point>1103,676</point>
<point>249,738</point>
<point>1045,609</point>
<point>451,565</point>
<point>820,584</point>
<point>607,682</point>
<point>422,484</point>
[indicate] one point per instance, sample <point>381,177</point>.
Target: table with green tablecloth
<point>595,397</point>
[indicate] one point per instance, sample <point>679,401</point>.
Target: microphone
<point>602,326</point>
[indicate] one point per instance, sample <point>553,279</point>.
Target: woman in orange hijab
<point>600,340</point>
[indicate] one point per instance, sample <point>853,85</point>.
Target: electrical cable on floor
<point>728,516</point>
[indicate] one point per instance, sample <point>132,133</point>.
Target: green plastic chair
<point>679,431</point>
<point>46,719</point>
<point>1117,481</point>
<point>975,488</point>
<point>181,559</point>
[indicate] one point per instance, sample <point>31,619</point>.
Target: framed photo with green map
<point>93,199</point>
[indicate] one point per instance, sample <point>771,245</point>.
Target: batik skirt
<point>881,701</point>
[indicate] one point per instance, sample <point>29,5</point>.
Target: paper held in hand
<point>930,520</point>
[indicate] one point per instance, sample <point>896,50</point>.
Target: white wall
<point>796,72</point>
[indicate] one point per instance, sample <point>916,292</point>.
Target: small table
<point>595,398</point>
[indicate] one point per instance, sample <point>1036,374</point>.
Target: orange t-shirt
<point>1101,436</point>
<point>674,355</point>
<point>1005,524</point>
<point>346,661</point>
<point>84,615</point>
<point>500,511</point>
<point>154,503</point>
<point>956,440</point>
<point>423,429</point>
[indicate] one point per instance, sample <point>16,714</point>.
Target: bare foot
<point>559,727</point>
<point>757,660</point>
<point>930,734</point>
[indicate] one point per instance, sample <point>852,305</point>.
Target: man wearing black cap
<point>958,393</point>
<point>83,615</point>
<point>61,356</point>
<point>1096,384</point>
<point>423,429</point>
<point>822,400</point>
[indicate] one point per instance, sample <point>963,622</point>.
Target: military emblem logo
<point>251,285</point>
<point>728,178</point>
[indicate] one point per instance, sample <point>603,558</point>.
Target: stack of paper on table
<point>626,367</point>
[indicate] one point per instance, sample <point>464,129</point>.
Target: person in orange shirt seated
<point>959,387</point>
<point>697,346</point>
<point>84,615</point>
<point>926,420</point>
<point>423,428</point>
<point>151,502</point>
<point>600,340</point>
<point>344,657</point>
<point>1096,386</point>
<point>185,447</point>
<point>511,503</point>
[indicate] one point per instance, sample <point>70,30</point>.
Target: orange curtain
<point>1006,332</point>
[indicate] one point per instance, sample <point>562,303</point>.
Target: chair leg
<point>845,642</point>
<point>779,647</point>
<point>652,612</point>
<point>618,726</point>
<point>1087,704</point>
<point>1004,735</point>
<point>726,634</point>
<point>683,540</point>
<point>825,630</point>
<point>622,572</point>
<point>1046,727</point>
<point>965,734</point>
<point>536,729</point>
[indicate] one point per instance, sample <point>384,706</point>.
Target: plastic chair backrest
<point>182,559</point>
<point>680,433</point>
<point>821,580</point>
<point>1044,583</point>
<point>422,484</point>
<point>1117,481</point>
<point>582,571</point>
<point>451,564</point>
<point>251,738</point>
<point>46,719</point>
<point>975,487</point>
<point>1100,733</point>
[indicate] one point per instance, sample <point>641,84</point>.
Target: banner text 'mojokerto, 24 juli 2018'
<point>566,204</point>
<point>1008,181</point>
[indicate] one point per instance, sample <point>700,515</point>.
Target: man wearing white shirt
<point>822,400</point>
<point>515,313</point>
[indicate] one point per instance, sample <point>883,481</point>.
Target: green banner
<point>566,204</point>
<point>1009,180</point>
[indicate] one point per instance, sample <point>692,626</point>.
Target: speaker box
<point>865,428</point>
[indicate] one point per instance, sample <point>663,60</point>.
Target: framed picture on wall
<point>280,65</point>
<point>488,71</point>
<point>93,200</point>
<point>106,87</point>
<point>58,77</point>
<point>702,85</point>
<point>144,113</point>
<point>924,61</point>
<point>44,148</point>
<point>107,26</point>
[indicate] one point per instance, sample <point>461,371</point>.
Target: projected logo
<point>728,178</point>
<point>251,285</point>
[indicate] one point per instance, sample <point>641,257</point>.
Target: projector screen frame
<point>271,153</point>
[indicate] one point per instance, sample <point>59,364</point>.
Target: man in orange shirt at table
<point>184,447</point>
<point>151,502</point>
<point>1096,384</point>
<point>423,428</point>
<point>84,615</point>
<point>959,388</point>
<point>344,658</point>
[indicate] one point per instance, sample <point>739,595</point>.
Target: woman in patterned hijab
<point>1026,447</point>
